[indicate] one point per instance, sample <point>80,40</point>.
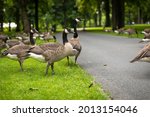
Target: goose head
<point>67,31</point>
<point>64,34</point>
<point>78,19</point>
<point>32,41</point>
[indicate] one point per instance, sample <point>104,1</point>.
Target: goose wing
<point>36,50</point>
<point>145,52</point>
<point>19,48</point>
<point>75,44</point>
<point>50,46</point>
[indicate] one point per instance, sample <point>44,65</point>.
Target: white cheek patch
<point>77,20</point>
<point>31,31</point>
<point>66,31</point>
<point>37,57</point>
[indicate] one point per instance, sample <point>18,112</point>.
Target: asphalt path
<point>107,58</point>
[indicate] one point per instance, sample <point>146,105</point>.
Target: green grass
<point>138,27</point>
<point>69,82</point>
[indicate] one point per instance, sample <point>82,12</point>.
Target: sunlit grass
<point>69,82</point>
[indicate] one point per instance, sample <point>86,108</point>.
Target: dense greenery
<point>46,13</point>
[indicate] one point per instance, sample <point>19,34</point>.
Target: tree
<point>1,15</point>
<point>36,15</point>
<point>107,12</point>
<point>117,14</point>
<point>24,15</point>
<point>17,14</point>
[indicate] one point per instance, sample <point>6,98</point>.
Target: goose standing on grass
<point>48,36</point>
<point>143,55</point>
<point>19,52</point>
<point>75,41</point>
<point>28,40</point>
<point>52,52</point>
<point>119,31</point>
<point>13,42</point>
<point>131,31</point>
<point>4,38</point>
<point>2,45</point>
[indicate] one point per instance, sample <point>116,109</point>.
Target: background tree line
<point>45,13</point>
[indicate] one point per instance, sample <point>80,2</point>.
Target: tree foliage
<point>44,14</point>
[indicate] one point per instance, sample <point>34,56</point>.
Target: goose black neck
<point>31,39</point>
<point>64,36</point>
<point>75,35</point>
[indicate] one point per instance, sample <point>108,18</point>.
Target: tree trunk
<point>36,15</point>
<point>25,19</point>
<point>99,12</point>
<point>9,28</point>
<point>117,14</point>
<point>120,13</point>
<point>64,12</point>
<point>140,19</point>
<point>107,11</point>
<point>114,14</point>
<point>17,21</point>
<point>1,15</point>
<point>17,17</point>
<point>95,19</point>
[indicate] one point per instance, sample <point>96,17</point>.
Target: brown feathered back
<point>145,52</point>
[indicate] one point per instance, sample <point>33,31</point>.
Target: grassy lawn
<point>69,82</point>
<point>138,27</point>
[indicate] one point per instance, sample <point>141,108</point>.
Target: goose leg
<point>68,59</point>
<point>52,68</point>
<point>77,57</point>
<point>21,66</point>
<point>47,67</point>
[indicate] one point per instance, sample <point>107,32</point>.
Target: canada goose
<point>2,45</point>
<point>146,37</point>
<point>48,36</point>
<point>13,42</point>
<point>18,52</point>
<point>143,55</point>
<point>147,30</point>
<point>131,31</point>
<point>35,33</point>
<point>107,30</point>
<point>75,41</point>
<point>119,31</point>
<point>52,52</point>
<point>4,38</point>
<point>28,40</point>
